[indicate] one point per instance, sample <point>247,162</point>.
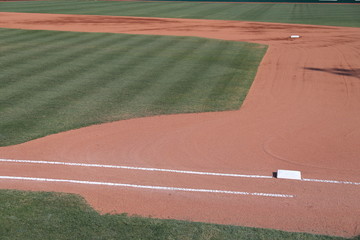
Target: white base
<point>294,36</point>
<point>289,174</point>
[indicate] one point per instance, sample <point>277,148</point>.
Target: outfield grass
<point>321,14</point>
<point>41,215</point>
<point>55,81</point>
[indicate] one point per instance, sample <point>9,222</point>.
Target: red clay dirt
<point>302,113</point>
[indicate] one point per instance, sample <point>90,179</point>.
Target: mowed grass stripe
<point>179,66</point>
<point>118,95</point>
<point>258,10</point>
<point>19,83</point>
<point>52,69</point>
<point>101,93</point>
<point>110,91</point>
<point>132,8</point>
<point>153,64</point>
<point>320,14</point>
<point>136,97</point>
<point>10,41</point>
<point>40,7</point>
<point>70,80</point>
<point>231,80</point>
<point>8,36</point>
<point>68,84</point>
<point>26,58</point>
<point>172,100</point>
<point>161,10</point>
<point>152,80</point>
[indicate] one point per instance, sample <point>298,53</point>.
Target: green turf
<point>41,215</point>
<point>55,81</point>
<point>322,14</point>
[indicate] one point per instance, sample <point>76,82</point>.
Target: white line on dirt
<point>148,187</point>
<point>169,170</point>
<point>330,181</point>
<point>135,168</point>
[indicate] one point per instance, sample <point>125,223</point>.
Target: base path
<point>302,113</point>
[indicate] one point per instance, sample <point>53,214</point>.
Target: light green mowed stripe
<point>320,14</point>
<point>56,81</point>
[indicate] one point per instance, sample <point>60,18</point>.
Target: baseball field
<point>181,111</point>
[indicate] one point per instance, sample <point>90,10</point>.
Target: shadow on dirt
<point>339,71</point>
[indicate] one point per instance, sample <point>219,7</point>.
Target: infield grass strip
<point>42,215</point>
<point>56,81</point>
<point>319,14</point>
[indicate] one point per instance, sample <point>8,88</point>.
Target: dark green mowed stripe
<point>55,81</point>
<point>320,14</point>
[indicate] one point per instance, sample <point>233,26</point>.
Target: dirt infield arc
<point>302,113</point>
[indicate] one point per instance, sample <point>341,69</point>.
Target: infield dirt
<point>302,113</point>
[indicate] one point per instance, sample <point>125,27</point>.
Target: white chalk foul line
<point>135,168</point>
<point>330,181</point>
<point>168,170</point>
<point>147,187</point>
